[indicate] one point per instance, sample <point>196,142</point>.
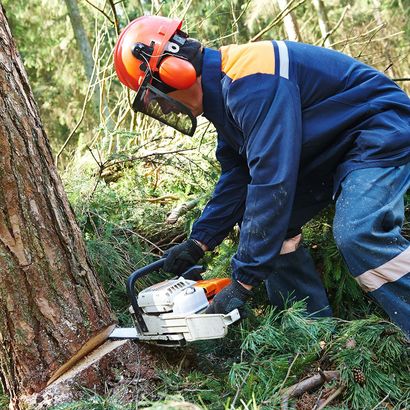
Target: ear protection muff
<point>177,72</point>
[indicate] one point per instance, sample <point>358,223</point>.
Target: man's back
<point>351,114</point>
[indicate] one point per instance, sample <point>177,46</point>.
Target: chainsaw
<point>171,313</point>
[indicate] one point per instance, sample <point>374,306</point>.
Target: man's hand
<point>183,256</point>
<point>233,296</point>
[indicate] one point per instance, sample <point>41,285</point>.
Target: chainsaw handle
<point>132,295</point>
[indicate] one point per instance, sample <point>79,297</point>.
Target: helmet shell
<point>145,29</point>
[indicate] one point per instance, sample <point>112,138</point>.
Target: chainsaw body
<point>171,312</point>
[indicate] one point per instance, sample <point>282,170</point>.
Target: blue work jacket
<point>292,120</point>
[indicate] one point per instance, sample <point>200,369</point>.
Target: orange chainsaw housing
<point>213,286</point>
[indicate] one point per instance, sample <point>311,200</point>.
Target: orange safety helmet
<point>144,45</point>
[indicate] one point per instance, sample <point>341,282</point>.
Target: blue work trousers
<point>367,230</point>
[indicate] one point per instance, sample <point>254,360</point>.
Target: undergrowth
<point>283,347</point>
<point>124,227</point>
<point>4,400</point>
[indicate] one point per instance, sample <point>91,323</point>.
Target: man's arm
<point>267,109</point>
<point>222,212</point>
<point>226,207</point>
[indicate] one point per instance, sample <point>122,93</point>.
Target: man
<point>298,126</point>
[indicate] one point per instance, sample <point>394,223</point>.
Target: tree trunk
<point>81,37</point>
<point>386,46</point>
<point>51,304</point>
<point>289,21</point>
<point>87,55</point>
<point>323,22</point>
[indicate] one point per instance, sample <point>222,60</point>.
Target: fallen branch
<point>311,383</point>
<point>108,164</point>
<point>161,199</point>
<point>180,210</point>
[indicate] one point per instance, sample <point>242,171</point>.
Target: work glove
<point>181,257</point>
<point>233,296</point>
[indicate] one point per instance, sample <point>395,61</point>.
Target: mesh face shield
<point>158,105</point>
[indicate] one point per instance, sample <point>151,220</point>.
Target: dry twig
<point>101,11</point>
<point>333,30</point>
<point>336,393</point>
<point>380,402</point>
<point>277,20</point>
<point>129,231</point>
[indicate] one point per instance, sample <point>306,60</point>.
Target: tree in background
<point>90,67</point>
<point>289,21</point>
<point>84,46</point>
<point>51,303</point>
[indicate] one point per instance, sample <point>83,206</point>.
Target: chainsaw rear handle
<point>139,273</point>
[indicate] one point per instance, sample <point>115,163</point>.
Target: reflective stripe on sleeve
<point>284,59</point>
<point>391,271</point>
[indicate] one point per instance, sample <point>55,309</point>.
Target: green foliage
<point>123,222</point>
<point>194,386</point>
<point>45,40</point>
<point>377,349</point>
<point>286,344</point>
<point>174,402</point>
<point>219,263</point>
<point>277,352</point>
<point>280,348</point>
<point>4,400</point>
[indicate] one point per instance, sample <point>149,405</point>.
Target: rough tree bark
<point>289,21</point>
<point>51,303</point>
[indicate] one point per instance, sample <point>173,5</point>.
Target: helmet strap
<point>143,53</point>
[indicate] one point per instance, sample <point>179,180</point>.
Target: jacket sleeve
<point>268,111</point>
<point>226,206</point>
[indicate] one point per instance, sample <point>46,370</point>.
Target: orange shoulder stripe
<point>241,60</point>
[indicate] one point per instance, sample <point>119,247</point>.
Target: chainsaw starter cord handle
<point>191,273</point>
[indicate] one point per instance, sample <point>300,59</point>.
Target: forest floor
<point>359,360</point>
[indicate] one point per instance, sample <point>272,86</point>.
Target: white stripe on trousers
<point>391,271</point>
